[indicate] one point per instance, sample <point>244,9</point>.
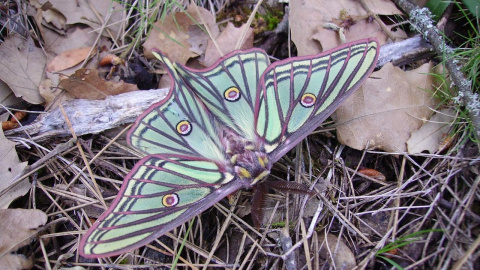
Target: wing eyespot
<point>308,100</point>
<point>170,200</point>
<point>232,94</point>
<point>184,127</point>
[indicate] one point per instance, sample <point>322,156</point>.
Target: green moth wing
<point>298,94</point>
<point>219,130</point>
<point>178,124</point>
<point>158,195</point>
<point>229,88</point>
<point>175,182</point>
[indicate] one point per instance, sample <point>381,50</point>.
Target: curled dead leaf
<point>7,125</point>
<point>87,12</point>
<point>14,122</point>
<point>18,116</point>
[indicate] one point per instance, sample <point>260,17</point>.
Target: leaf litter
<point>22,67</point>
<point>359,215</point>
<point>181,36</point>
<point>388,107</point>
<point>11,187</point>
<point>86,84</point>
<point>19,228</point>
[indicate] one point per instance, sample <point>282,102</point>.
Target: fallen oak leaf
<point>69,59</point>
<point>308,17</point>
<point>22,67</point>
<point>86,84</point>
<point>91,13</point>
<point>389,106</point>
<point>7,97</point>
<point>227,40</point>
<point>432,133</point>
<point>19,227</point>
<point>174,34</point>
<point>10,167</point>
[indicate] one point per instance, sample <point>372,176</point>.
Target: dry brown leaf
<point>227,41</point>
<point>7,97</point>
<point>173,35</point>
<point>82,11</point>
<point>53,95</point>
<point>75,37</point>
<point>55,18</point>
<point>86,84</point>
<point>45,15</point>
<point>197,39</point>
<point>308,17</point>
<point>432,133</point>
<point>22,67</point>
<point>18,227</point>
<point>386,109</point>
<point>50,91</point>
<point>16,262</point>
<point>69,59</point>
<point>333,248</point>
<point>10,167</point>
<point>55,44</point>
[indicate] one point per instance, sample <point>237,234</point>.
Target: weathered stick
<point>89,116</point>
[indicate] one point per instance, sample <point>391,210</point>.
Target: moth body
<point>248,159</point>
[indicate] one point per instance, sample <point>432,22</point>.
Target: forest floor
<point>393,174</point>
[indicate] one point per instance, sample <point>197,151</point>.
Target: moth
<point>219,130</point>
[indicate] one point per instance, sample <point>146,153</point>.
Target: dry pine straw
<point>422,192</point>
